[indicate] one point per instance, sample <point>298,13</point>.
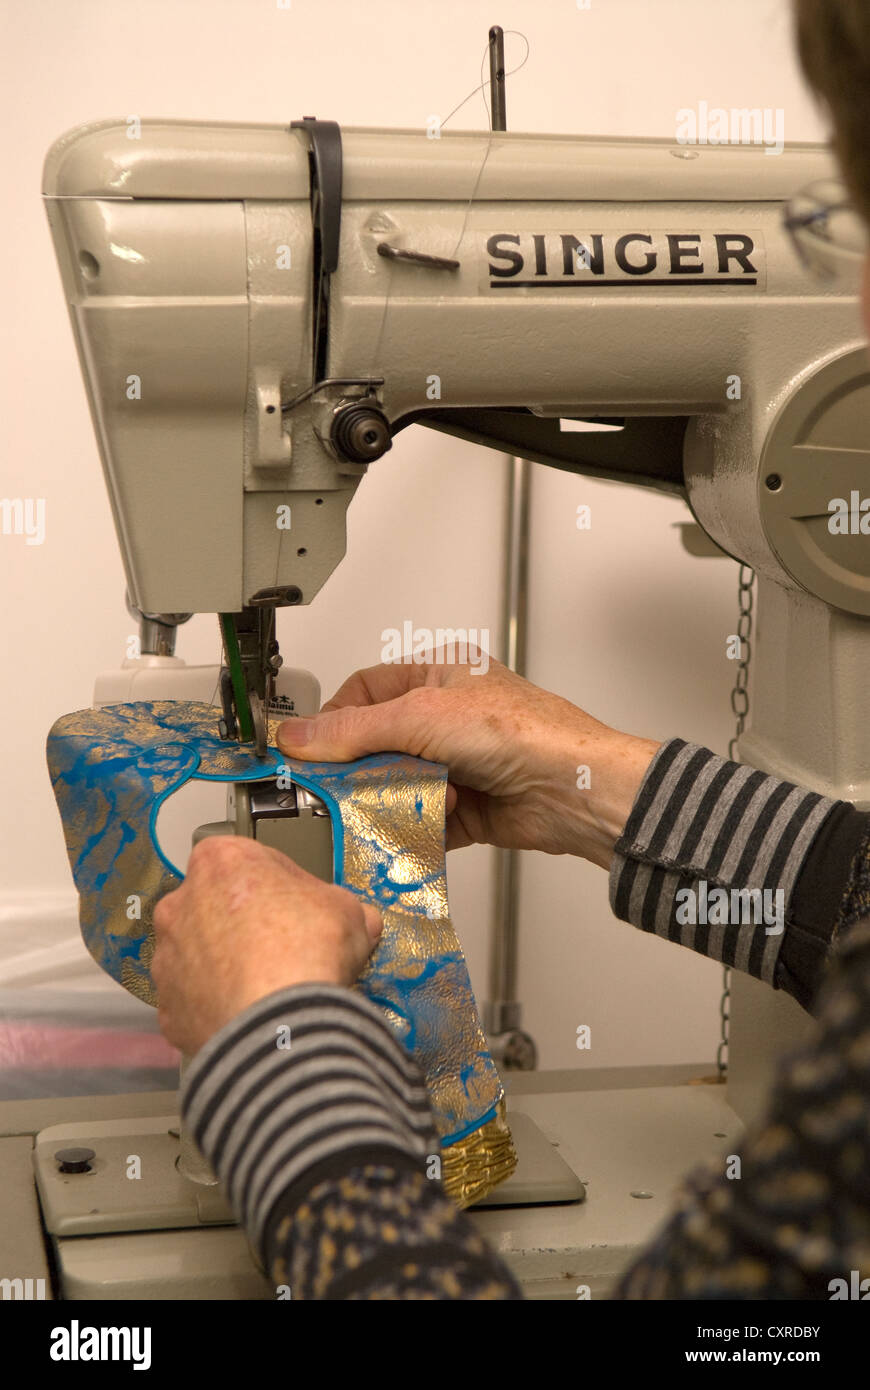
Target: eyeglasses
<point>829,234</point>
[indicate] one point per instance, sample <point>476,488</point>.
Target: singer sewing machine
<point>261,311</point>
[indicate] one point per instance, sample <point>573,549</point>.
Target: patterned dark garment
<point>385,1232</point>
<point>328,1152</point>
<point>797,1218</point>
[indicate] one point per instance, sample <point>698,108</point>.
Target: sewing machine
<point>259,312</point>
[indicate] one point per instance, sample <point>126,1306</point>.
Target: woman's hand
<point>527,769</point>
<point>245,922</point>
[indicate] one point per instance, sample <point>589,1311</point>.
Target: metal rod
<point>191,1163</point>
<point>496,78</point>
<point>517,567</point>
<point>503,1010</point>
<point>157,631</point>
<point>237,675</point>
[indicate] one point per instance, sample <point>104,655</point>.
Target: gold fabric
<point>110,770</point>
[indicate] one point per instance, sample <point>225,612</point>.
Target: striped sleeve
<point>303,1083</point>
<point>711,853</point>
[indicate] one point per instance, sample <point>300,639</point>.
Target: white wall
<point>624,622</point>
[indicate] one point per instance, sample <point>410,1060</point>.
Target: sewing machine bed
<point>630,1134</point>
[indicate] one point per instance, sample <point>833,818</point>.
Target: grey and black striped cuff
<point>301,1077</point>
<point>710,855</point>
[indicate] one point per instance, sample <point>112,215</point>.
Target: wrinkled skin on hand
<point>245,922</point>
<point>512,750</point>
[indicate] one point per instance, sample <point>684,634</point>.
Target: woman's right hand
<point>515,754</point>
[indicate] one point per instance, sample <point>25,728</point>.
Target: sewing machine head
<point>260,310</point>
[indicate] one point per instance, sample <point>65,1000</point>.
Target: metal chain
<point>740,693</point>
<point>740,708</point>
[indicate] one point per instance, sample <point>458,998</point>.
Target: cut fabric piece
<point>112,768</point>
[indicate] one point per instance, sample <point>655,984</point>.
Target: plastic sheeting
<point>66,1029</point>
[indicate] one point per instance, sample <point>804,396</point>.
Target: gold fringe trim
<point>475,1165</point>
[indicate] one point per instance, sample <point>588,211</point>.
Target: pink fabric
<point>24,1044</point>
